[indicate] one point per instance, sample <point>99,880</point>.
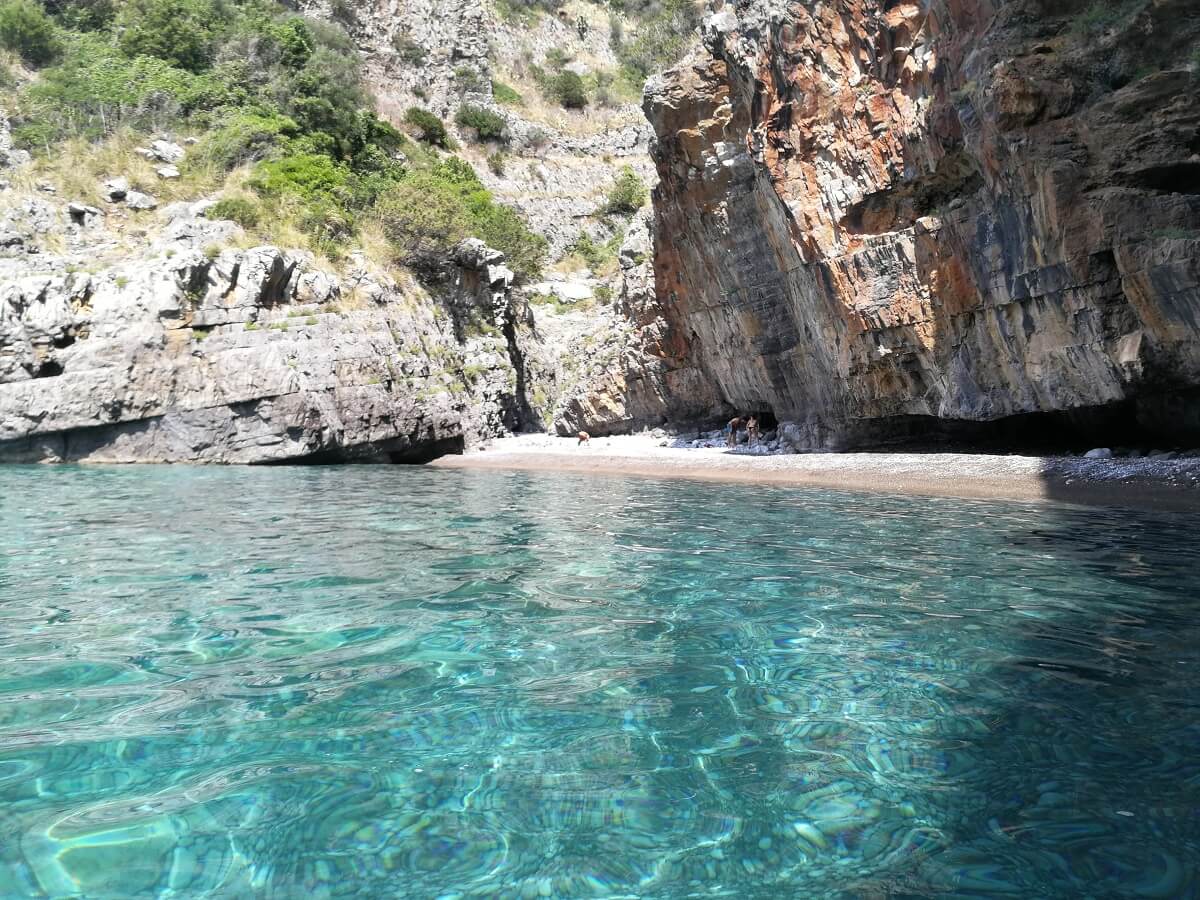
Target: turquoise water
<point>396,682</point>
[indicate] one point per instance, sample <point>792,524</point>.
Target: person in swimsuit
<point>734,424</point>
<point>753,434</point>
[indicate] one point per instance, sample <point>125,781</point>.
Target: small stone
<point>166,151</point>
<point>10,239</point>
<point>1099,453</point>
<point>138,200</point>
<point>115,189</point>
<point>80,213</point>
<point>47,187</point>
<point>167,172</point>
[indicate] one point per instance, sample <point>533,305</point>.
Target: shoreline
<point>1157,485</point>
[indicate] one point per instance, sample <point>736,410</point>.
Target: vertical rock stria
<point>879,218</point>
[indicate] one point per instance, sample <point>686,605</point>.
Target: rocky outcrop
<point>880,219</point>
<point>249,356</point>
<point>606,372</point>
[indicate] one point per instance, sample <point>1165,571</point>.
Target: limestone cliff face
<point>172,354</point>
<point>872,213</point>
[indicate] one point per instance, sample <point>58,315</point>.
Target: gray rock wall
<point>251,356</point>
<point>872,214</point>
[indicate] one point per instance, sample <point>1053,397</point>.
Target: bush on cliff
<point>664,32</point>
<point>566,89</point>
<point>487,125</point>
<point>428,212</point>
<point>26,30</point>
<point>181,32</point>
<point>430,128</point>
<point>236,209</point>
<point>424,218</point>
<point>628,193</point>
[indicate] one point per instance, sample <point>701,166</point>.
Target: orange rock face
<point>874,217</point>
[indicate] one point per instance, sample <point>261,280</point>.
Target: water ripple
<point>389,682</point>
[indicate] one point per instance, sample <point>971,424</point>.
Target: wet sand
<point>1135,483</point>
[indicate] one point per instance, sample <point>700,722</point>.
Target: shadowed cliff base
<point>1140,484</point>
<point>1167,420</point>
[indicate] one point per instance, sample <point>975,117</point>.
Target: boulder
<point>138,200</point>
<point>167,172</point>
<point>162,151</point>
<point>1099,453</point>
<point>115,189</point>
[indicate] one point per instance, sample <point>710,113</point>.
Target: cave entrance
<point>1159,422</point>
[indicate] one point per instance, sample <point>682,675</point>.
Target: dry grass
<point>79,168</point>
<point>575,123</point>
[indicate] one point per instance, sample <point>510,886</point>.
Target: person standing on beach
<point>752,432</point>
<point>734,424</point>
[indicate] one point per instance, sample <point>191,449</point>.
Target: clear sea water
<point>397,682</point>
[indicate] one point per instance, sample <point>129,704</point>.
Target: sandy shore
<point>1140,483</point>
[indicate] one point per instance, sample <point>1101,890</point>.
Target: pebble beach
<point>1145,483</point>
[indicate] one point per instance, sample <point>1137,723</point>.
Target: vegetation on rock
<point>26,30</point>
<point>487,125</point>
<point>281,123</point>
<point>430,128</point>
<point>628,194</point>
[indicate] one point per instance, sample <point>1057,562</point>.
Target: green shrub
<point>496,162</point>
<point>567,89</point>
<point>182,32</point>
<point>96,88</point>
<point>557,58</point>
<point>628,193</point>
<point>28,31</point>
<point>84,15</point>
<point>246,136</point>
<point>502,93</point>
<point>428,212</point>
<point>429,127</point>
<point>524,11</point>
<point>294,38</point>
<point>235,209</point>
<point>326,97</point>
<point>311,176</point>
<point>596,255</point>
<point>488,126</point>
<point>424,218</point>
<point>503,228</point>
<point>663,35</point>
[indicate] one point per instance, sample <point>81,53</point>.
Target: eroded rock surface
<point>873,213</point>
<point>249,356</point>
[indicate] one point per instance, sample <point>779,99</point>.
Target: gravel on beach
<point>1160,482</point>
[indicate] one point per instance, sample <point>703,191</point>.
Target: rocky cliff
<point>889,219</point>
<point>189,349</point>
<point>137,329</point>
